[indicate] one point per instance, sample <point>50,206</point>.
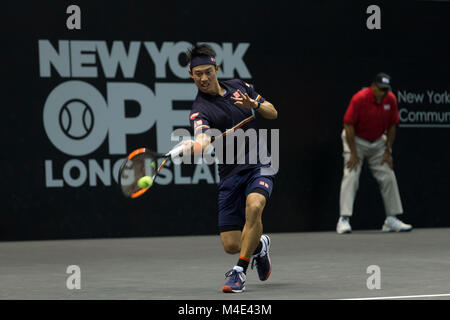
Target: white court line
<point>402,297</point>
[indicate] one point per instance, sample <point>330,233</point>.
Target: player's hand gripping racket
<point>138,172</point>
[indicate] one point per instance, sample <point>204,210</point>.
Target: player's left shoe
<point>236,281</point>
<point>262,259</point>
<point>393,224</point>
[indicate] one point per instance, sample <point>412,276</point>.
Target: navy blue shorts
<point>233,192</point>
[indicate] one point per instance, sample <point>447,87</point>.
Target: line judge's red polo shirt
<point>369,118</point>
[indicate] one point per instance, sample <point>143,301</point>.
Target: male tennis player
<point>244,189</point>
<point>369,132</point>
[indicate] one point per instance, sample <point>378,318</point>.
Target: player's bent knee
<point>254,209</point>
<point>231,248</point>
<point>231,241</point>
<point>255,203</point>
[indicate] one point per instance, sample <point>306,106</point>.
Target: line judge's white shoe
<point>393,224</point>
<point>343,225</point>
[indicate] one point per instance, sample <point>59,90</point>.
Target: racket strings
<point>136,167</point>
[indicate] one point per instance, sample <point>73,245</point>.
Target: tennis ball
<point>145,182</point>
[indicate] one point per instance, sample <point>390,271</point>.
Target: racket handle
<point>175,152</point>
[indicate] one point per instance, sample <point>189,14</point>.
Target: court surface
<point>313,265</point>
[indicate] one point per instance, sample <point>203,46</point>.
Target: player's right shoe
<point>343,225</point>
<point>262,259</point>
<point>236,281</point>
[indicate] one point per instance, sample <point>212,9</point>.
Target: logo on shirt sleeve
<point>387,107</point>
<point>194,115</point>
<point>264,184</point>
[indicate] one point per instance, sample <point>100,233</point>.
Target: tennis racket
<point>143,162</point>
<point>140,163</point>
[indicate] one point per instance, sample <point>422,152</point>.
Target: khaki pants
<point>373,153</point>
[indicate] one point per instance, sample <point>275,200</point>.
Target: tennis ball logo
<point>76,119</point>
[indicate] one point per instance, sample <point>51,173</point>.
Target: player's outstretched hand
<point>244,100</point>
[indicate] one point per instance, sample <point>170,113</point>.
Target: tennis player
<point>244,189</point>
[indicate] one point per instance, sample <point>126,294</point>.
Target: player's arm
<point>198,145</point>
<point>202,142</point>
<point>265,109</point>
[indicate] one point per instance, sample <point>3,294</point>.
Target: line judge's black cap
<point>383,81</point>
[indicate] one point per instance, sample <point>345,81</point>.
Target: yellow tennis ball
<point>145,182</point>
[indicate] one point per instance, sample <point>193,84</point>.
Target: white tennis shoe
<point>393,224</point>
<point>343,225</point>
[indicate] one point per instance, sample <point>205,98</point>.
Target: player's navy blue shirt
<point>220,112</point>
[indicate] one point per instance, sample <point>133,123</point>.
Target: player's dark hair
<point>200,50</point>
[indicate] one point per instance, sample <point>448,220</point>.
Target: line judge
<point>369,132</point>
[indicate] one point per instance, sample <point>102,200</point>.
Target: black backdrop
<point>307,57</point>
